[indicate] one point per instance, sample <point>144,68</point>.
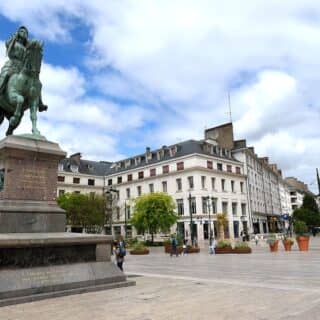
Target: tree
<point>222,222</point>
<point>84,210</point>
<point>308,212</point>
<point>154,212</point>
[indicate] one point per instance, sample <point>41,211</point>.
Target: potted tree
<point>273,242</point>
<point>287,243</point>
<point>302,236</point>
<point>222,222</point>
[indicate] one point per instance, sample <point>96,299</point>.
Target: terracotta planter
<point>139,252</point>
<point>193,249</point>
<point>287,245</point>
<point>242,250</point>
<point>274,246</point>
<point>303,243</point>
<point>223,250</point>
<point>167,249</point>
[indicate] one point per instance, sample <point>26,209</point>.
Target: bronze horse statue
<point>23,90</point>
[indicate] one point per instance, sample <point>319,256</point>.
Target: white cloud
<point>178,59</point>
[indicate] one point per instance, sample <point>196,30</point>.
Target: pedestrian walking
<point>184,247</point>
<point>213,246</point>
<point>174,244</point>
<point>256,239</point>
<point>120,254</point>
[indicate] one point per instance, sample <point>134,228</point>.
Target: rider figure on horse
<point>16,48</point>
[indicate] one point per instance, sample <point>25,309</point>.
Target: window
<point>203,182</point>
<point>77,192</point>
<point>229,168</point>
<point>180,166</point>
<point>213,183</point>
<point>232,185</point>
<point>61,192</point>
<point>129,177</point>
<point>151,187</point>
<point>193,205</point>
<point>139,191</point>
<point>76,180</point>
<point>165,169</point>
<point>118,213</point>
<point>109,182</point>
<point>180,207</point>
<point>164,186</point>
<point>241,187</point>
<point>90,182</point>
<point>225,207</point>
<point>238,170</point>
<point>92,194</point>
<point>128,193</point>
<point>119,180</point>
<point>234,208</point>
<point>152,172</point>
<point>61,178</point>
<point>214,205</point>
<point>204,205</point>
<point>219,166</point>
<point>209,164</point>
<point>223,182</point>
<point>190,181</point>
<point>140,175</point>
<point>179,184</point>
<point>243,209</point>
<point>128,212</point>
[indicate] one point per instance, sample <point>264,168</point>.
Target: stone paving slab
<point>262,285</point>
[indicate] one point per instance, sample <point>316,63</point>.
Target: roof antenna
<point>229,106</point>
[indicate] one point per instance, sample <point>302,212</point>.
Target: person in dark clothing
<point>174,244</point>
<point>119,257</point>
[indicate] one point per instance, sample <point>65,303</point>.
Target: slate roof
<point>96,168</point>
<point>183,148</point>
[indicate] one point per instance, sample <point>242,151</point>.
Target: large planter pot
<point>223,250</point>
<point>167,249</point>
<point>303,243</point>
<point>242,250</point>
<point>139,252</point>
<point>274,246</point>
<point>287,245</point>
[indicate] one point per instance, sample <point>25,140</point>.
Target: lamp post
<point>210,231</point>
<point>191,221</point>
<point>110,198</point>
<point>125,218</point>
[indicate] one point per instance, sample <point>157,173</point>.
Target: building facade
<point>202,178</point>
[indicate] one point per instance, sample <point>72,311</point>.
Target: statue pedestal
<point>38,259</point>
<point>28,197</point>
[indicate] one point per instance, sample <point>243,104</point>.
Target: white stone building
<point>81,176</point>
<point>262,179</point>
<point>190,169</point>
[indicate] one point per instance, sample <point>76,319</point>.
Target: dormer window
<point>137,160</point>
<point>173,151</point>
<point>74,168</point>
<point>60,167</point>
<point>127,163</point>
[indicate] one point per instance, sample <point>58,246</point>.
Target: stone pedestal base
<point>36,266</point>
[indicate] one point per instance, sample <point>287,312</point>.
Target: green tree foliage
<point>154,212</point>
<point>308,212</point>
<point>84,210</point>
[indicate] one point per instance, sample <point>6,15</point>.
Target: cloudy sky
<point>122,75</point>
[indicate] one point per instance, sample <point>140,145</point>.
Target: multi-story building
<point>82,176</point>
<point>297,191</point>
<point>262,179</point>
<point>191,172</point>
<point>204,177</point>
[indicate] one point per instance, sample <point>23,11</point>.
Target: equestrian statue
<point>20,87</point>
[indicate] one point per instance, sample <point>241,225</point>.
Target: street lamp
<point>208,205</point>
<point>191,221</point>
<point>125,218</point>
<point>110,198</point>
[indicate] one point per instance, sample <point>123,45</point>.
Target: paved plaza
<point>262,285</point>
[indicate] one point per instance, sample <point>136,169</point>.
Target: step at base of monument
<point>62,293</point>
<point>30,284</point>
